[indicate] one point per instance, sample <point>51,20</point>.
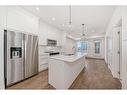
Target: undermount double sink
<point>68,54</point>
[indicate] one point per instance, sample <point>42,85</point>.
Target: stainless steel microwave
<point>51,42</point>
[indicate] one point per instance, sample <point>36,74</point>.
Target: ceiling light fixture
<point>37,8</point>
<point>70,18</point>
<point>63,25</point>
<point>83,32</point>
<point>70,22</point>
<point>53,19</point>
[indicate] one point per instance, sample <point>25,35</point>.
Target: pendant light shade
<point>83,32</point>
<point>70,19</point>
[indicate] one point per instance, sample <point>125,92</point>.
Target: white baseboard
<point>94,57</point>
<point>43,67</point>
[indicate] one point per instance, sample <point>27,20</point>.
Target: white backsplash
<point>43,49</point>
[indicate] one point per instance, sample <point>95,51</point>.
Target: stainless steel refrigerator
<point>20,56</point>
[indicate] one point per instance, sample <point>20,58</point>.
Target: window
<point>82,46</point>
<point>97,47</point>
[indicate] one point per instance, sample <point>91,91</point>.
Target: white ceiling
<point>95,18</point>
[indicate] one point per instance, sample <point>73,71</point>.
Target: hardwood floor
<point>39,81</point>
<point>96,75</point>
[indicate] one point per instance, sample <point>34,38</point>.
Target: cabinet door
<point>43,64</point>
<point>22,20</point>
<point>3,17</point>
<point>43,61</point>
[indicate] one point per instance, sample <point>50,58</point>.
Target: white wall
<point>119,13</point>
<point>2,25</point>
<point>70,46</point>
<point>110,34</point>
<point>124,47</point>
<point>3,12</point>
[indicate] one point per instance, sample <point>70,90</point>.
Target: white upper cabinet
<point>22,20</point>
<point>48,32</point>
<point>3,17</point>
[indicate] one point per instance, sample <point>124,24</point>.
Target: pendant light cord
<point>70,15</point>
<point>83,30</point>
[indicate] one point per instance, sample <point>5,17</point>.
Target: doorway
<point>109,51</point>
<point>117,49</point>
<point>98,48</point>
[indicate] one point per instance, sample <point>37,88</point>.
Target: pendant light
<point>70,22</point>
<point>83,32</point>
<point>70,18</point>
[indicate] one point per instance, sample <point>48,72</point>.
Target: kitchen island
<point>64,69</point>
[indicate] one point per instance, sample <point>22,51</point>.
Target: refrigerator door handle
<point>23,52</point>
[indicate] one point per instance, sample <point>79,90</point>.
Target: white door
<point>98,48</point>
<point>117,51</point>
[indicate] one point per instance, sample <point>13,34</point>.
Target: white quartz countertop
<point>70,58</point>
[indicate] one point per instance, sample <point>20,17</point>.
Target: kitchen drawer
<point>43,61</point>
<point>43,67</point>
<point>44,54</point>
<point>44,57</point>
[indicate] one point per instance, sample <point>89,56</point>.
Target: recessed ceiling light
<point>69,25</point>
<point>37,8</point>
<point>53,19</point>
<point>93,30</point>
<point>62,24</point>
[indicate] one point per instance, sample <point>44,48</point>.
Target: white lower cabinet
<point>43,67</point>
<point>43,62</point>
